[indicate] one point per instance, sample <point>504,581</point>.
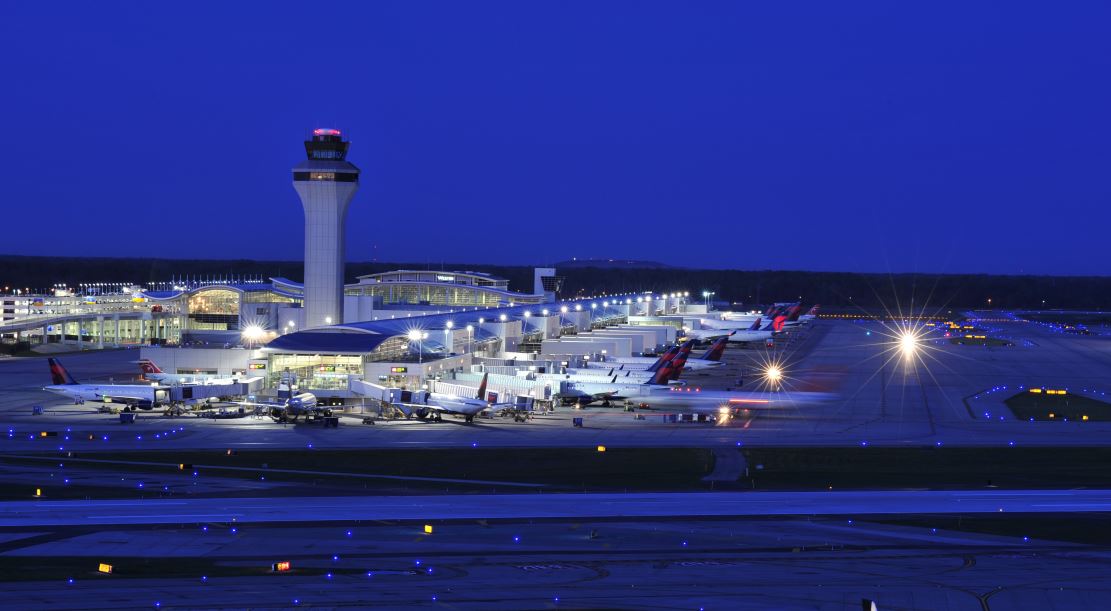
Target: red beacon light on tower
<point>325,132</point>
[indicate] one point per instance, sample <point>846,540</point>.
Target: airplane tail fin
<point>148,366</point>
<point>677,365</point>
<point>756,325</point>
<point>662,375</point>
<point>481,394</point>
<point>685,350</point>
<point>58,374</point>
<point>813,310</point>
<point>716,350</point>
<point>777,324</point>
<point>667,356</point>
<point>794,312</point>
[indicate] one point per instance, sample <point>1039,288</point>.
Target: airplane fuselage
<point>143,396</point>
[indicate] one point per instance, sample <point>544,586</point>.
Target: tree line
<point>906,292</point>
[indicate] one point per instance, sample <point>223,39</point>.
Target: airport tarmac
<point>953,395</point>
<point>822,564</point>
<point>539,549</point>
<point>548,506</point>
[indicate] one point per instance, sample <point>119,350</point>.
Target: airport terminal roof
<point>281,286</point>
<point>314,341</point>
<point>370,334</point>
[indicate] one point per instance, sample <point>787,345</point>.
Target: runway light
<point>38,492</point>
<point>601,448</point>
<point>908,344</point>
<point>428,529</point>
<point>773,374</point>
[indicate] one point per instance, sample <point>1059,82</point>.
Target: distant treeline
<point>838,289</point>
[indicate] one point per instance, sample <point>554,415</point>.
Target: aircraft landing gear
<point>469,419</point>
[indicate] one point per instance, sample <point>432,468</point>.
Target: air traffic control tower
<point>326,183</point>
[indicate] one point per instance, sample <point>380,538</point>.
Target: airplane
<point>676,362</point>
<point>639,362</point>
<point>707,360</point>
<point>132,395</point>
<point>584,393</point>
<point>291,408</point>
<point>811,314</point>
<point>153,373</point>
<point>722,405</point>
<point>795,317</point>
<point>751,334</point>
<point>437,404</point>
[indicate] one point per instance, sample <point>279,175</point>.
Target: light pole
<point>470,338</point>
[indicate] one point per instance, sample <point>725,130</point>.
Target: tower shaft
<point>326,183</point>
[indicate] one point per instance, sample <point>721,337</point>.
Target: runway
<point>548,506</point>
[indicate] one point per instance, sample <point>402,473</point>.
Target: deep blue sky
<point>804,135</point>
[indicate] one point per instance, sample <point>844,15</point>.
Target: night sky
<point>959,137</point>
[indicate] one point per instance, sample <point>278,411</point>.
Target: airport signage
<point>257,366</point>
<point>399,369</point>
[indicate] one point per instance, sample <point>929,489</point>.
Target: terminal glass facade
<point>439,295</point>
<point>267,297</point>
<point>316,371</point>
<point>214,310</point>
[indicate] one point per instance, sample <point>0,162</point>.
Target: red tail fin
<point>663,374</point>
<point>667,356</point>
<point>677,365</point>
<point>715,351</point>
<point>58,374</point>
<point>777,325</point>
<point>148,366</point>
<point>482,387</point>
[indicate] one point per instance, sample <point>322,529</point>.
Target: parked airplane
<point>584,393</point>
<point>132,395</point>
<point>152,372</point>
<point>811,314</point>
<point>436,404</point>
<point>751,334</point>
<point>707,360</point>
<point>639,362</point>
<point>719,404</point>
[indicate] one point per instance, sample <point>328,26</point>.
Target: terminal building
<point>403,328</point>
